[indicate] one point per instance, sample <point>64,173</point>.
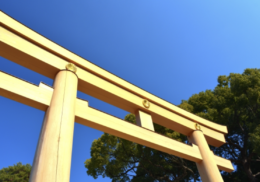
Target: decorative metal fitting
<point>71,67</point>
<point>197,126</point>
<point>146,103</point>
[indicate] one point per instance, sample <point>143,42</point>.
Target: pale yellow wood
<point>27,54</point>
<point>208,168</point>
<point>52,159</point>
<point>144,120</point>
<point>24,92</point>
<point>59,51</point>
<point>40,97</point>
<point>43,85</point>
<point>53,156</point>
<point>223,164</point>
<point>23,52</point>
<point>110,124</point>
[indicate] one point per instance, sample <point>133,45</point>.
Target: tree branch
<point>255,175</point>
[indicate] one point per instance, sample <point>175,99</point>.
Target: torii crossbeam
<point>52,160</point>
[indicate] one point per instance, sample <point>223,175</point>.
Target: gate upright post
<point>208,169</point>
<point>52,159</point>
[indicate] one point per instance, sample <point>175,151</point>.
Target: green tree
<point>235,102</point>
<point>16,173</point>
<point>122,160</point>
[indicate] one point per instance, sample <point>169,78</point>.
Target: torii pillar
<point>207,168</point>
<point>52,159</point>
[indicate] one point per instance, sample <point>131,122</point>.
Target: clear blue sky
<point>171,48</point>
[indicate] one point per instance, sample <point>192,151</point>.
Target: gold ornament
<point>146,103</point>
<point>197,126</point>
<point>71,67</point>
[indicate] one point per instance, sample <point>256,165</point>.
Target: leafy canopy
<point>16,173</point>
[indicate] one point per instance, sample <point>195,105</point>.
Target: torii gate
<point>70,72</point>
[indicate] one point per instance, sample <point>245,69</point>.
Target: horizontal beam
<point>40,97</point>
<point>25,53</point>
<point>63,53</point>
<point>112,125</point>
<point>120,128</point>
<point>223,164</point>
<point>24,92</point>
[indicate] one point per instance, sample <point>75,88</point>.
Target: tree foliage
<point>16,173</point>
<point>123,161</point>
<point>235,102</point>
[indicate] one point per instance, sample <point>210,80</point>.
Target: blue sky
<point>171,48</point>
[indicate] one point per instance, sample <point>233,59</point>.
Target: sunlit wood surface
<point>40,96</point>
<point>27,48</point>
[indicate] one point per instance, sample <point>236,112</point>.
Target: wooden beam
<point>104,122</point>
<point>24,92</point>
<point>40,97</point>
<point>223,164</point>
<point>37,39</point>
<point>144,120</point>
<point>120,128</point>
<point>25,53</point>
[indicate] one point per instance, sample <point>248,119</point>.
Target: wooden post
<point>208,169</point>
<point>144,120</point>
<point>52,159</point>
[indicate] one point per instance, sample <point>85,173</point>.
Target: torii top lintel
<point>39,54</point>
